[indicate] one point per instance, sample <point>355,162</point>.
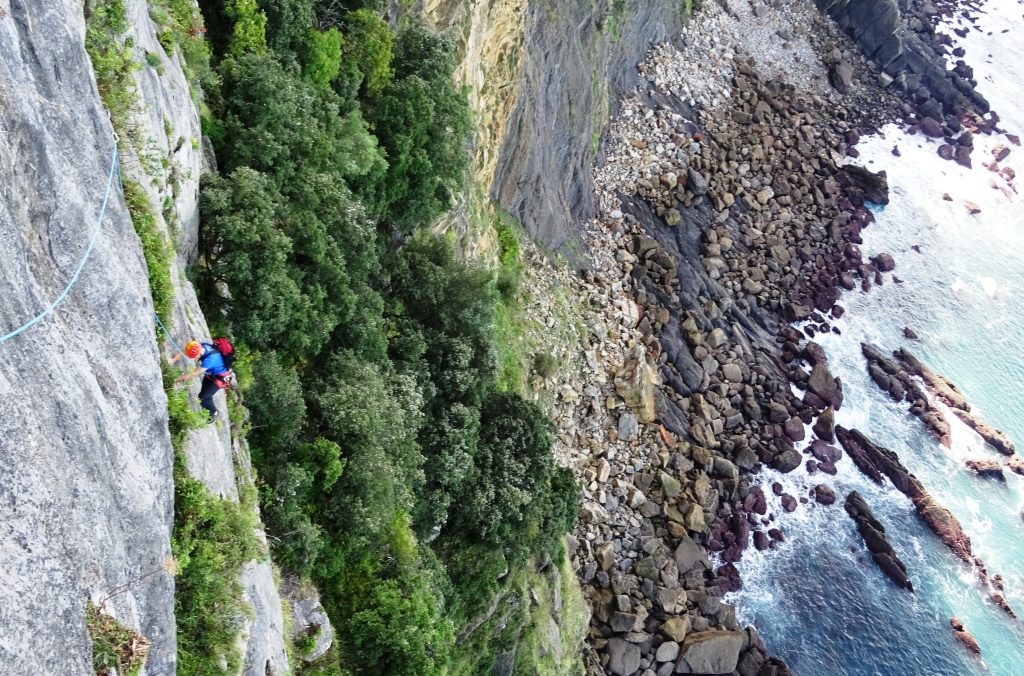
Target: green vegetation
<point>156,249</point>
<point>212,539</point>
<point>114,646</point>
<point>382,372</point>
<point>112,60</point>
<point>376,400</point>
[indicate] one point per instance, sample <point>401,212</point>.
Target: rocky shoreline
<point>728,210</point>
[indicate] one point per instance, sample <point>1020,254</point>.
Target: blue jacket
<point>212,361</point>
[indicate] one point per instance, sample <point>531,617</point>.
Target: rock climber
<point>213,360</point>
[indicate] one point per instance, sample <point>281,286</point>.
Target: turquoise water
<point>819,600</point>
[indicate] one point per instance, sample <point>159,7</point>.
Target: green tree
<point>248,32</point>
<point>368,42</point>
<point>422,121</point>
<point>322,61</point>
<point>399,630</point>
<point>277,123</point>
<point>288,23</point>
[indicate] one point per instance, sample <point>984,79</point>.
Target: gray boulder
<point>712,652</point>
<point>623,657</point>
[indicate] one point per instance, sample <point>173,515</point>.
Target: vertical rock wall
<point>85,458</point>
<point>576,57</point>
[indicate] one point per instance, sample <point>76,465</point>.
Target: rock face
<point>308,618</point>
<point>875,24</point>
<point>543,175</point>
<point>165,116</point>
<point>85,457</point>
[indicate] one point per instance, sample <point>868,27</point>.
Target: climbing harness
<point>114,166</point>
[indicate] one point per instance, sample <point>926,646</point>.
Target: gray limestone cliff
<point>86,482</point>
<point>85,457</point>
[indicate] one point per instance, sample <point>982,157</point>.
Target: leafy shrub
<point>114,646</point>
<point>111,60</point>
<point>156,250</point>
<point>212,539</point>
<point>544,364</point>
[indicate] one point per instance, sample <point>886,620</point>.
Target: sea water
<point>818,599</point>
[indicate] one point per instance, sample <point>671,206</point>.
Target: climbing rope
<point>114,164</point>
<point>168,334</point>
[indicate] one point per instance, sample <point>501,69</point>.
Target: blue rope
<point>114,164</point>
<point>168,334</point>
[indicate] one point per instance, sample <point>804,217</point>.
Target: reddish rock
<point>964,636</point>
<point>1001,602</point>
<point>728,578</point>
<point>789,503</point>
<point>986,468</point>
<point>824,495</point>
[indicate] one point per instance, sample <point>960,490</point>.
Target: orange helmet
<point>193,349</point>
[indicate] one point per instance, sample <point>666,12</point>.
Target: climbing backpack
<point>226,349</point>
<point>227,354</point>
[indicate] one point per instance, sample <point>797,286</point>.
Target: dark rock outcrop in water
<point>895,379</point>
<point>912,59</point>
<point>895,376</point>
<point>874,461</point>
<point>876,540</point>
<point>964,636</point>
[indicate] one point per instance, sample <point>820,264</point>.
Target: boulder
<point>690,555</point>
<point>861,182</point>
<point>593,513</point>
<point>628,428</point>
<point>604,554</point>
<point>635,384</point>
<point>824,495</point>
<point>986,468</point>
<point>676,628</point>
<point>822,384</point>
<point>964,636</point>
<point>932,127</point>
<point>667,652</point>
<point>623,657</point>
<point>713,652</point>
<point>787,461</point>
<point>825,425</point>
